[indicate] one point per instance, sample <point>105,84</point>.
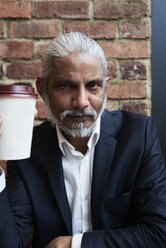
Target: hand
<point>60,242</point>
<point>36,113</point>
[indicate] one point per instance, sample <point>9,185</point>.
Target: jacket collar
<point>55,175</point>
<point>103,157</point>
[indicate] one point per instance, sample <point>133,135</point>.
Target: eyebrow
<point>98,81</point>
<point>64,80</point>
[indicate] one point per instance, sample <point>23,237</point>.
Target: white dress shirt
<point>2,180</point>
<point>78,177</point>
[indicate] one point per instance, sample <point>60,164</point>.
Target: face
<point>76,90</point>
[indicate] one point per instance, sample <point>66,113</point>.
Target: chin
<point>80,131</point>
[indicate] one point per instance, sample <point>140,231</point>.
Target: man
<point>95,178</point>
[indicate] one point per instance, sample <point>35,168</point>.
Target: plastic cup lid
<point>17,90</point>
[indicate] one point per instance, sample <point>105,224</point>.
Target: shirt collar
<point>92,140</point>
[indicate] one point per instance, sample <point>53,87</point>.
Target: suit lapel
<point>103,157</point>
<point>56,178</point>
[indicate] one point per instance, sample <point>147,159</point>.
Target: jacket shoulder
<point>123,120</point>
<point>127,115</point>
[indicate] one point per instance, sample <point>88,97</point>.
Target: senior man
<point>95,178</point>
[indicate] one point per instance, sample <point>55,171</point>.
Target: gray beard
<point>80,130</point>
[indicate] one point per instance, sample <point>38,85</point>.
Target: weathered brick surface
<point>14,9</point>
<point>1,29</point>
<point>130,49</point>
<point>140,108</point>
<point>64,9</point>
<point>122,28</point>
<point>22,70</point>
<point>127,90</point>
<point>120,10</point>
<point>15,49</point>
<point>94,30</point>
<point>34,29</point>
<point>112,70</point>
<point>111,106</point>
<point>133,70</point>
<point>135,31</point>
<point>41,49</point>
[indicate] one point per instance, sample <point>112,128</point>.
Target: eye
<point>66,85</point>
<point>94,85</point>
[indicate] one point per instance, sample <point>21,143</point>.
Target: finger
<point>36,112</point>
<point>0,120</point>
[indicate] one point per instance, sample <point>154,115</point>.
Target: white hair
<point>69,43</point>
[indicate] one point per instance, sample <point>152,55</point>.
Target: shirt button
<point>86,197</point>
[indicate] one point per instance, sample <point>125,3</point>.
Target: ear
<point>107,81</point>
<point>39,86</point>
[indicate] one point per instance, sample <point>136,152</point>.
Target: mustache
<point>91,113</point>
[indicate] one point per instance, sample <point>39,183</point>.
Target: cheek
<point>59,104</point>
<point>97,102</point>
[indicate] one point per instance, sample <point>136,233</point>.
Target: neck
<point>79,143</point>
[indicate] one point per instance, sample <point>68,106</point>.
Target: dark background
<point>159,69</point>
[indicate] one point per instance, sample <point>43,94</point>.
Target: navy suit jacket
<point>128,199</point>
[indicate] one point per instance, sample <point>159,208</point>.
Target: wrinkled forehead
<point>81,56</point>
<point>76,61</point>
<point>78,65</point>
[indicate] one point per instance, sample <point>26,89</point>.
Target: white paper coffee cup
<point>17,108</point>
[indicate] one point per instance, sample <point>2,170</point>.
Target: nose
<point>80,99</point>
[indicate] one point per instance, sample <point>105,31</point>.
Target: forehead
<point>78,63</point>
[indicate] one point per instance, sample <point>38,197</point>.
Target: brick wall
<point>122,28</point>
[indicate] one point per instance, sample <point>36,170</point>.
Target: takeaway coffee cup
<point>17,108</point>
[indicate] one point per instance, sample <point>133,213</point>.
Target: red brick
<point>127,90</point>
<point>1,29</point>
<point>112,70</point>
<point>120,10</point>
<point>42,114</point>
<point>15,49</point>
<point>111,106</point>
<point>33,29</point>
<point>22,70</point>
<point>130,49</point>
<point>134,31</point>
<point>140,108</point>
<point>62,9</point>
<point>133,70</point>
<point>41,49</point>
<point>13,9</point>
<point>94,30</point>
